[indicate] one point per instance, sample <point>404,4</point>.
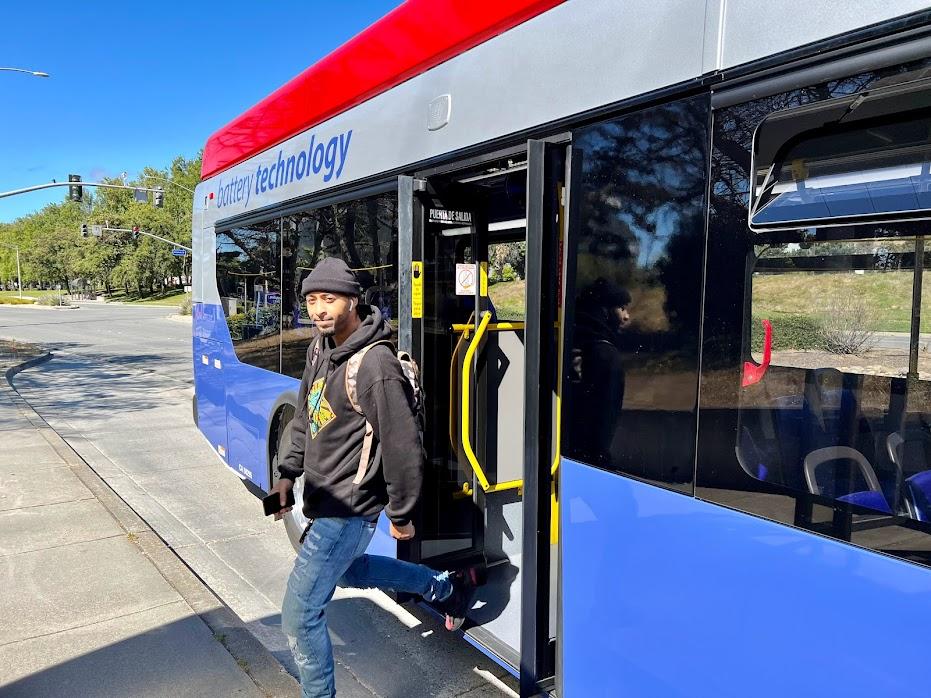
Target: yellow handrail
<point>492,327</point>
<point>466,398</point>
<point>453,444</point>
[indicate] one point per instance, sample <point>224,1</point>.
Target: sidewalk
<point>93,603</point>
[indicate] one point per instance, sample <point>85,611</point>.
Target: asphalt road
<point>119,391</point>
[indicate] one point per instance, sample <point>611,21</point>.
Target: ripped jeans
<point>333,553</point>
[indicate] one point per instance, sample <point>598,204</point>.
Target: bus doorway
<point>487,350</point>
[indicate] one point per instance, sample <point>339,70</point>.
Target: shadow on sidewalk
<point>177,658</point>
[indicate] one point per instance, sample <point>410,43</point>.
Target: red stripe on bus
<point>409,40</point>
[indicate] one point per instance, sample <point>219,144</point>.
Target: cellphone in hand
<point>272,503</point>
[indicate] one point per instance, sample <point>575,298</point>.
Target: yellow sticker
<point>484,280</point>
<point>416,290</point>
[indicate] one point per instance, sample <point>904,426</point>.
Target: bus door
<point>486,251</point>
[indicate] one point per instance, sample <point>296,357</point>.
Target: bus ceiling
<point>861,159</point>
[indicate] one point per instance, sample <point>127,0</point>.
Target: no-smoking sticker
<point>465,279</point>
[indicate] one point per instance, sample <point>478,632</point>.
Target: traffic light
<point>135,232</point>
<point>159,198</point>
<point>83,230</point>
<point>75,191</point>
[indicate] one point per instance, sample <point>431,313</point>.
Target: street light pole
<point>168,181</point>
<point>37,73</point>
<point>102,185</point>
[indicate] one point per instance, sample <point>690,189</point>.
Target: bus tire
<point>294,521</point>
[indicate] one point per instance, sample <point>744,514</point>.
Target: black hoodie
<point>327,433</point>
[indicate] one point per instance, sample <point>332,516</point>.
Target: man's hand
<point>405,532</point>
<point>282,487</point>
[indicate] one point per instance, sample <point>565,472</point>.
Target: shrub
<point>236,323</point>
<point>508,273</point>
<point>847,326</point>
<point>53,299</point>
<point>187,305</point>
<point>790,332</point>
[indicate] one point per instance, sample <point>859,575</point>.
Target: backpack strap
<point>352,374</point>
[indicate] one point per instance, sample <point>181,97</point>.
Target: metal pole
<point>102,185</point>
<point>168,181</point>
<point>915,331</point>
<point>19,276</point>
<point>151,235</point>
<point>37,73</point>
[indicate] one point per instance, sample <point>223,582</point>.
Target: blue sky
<point>136,84</point>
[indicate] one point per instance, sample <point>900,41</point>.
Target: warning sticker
<point>416,290</point>
<point>465,279</point>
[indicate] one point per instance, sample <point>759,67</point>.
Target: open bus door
<point>486,343</point>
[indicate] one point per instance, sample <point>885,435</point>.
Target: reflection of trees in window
<point>361,232</point>
<point>249,285</point>
<point>636,287</point>
<point>642,210</point>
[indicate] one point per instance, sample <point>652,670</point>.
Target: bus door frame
<point>548,166</point>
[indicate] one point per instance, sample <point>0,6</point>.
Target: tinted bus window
<point>364,233</point>
<point>816,387</point>
<point>249,283</point>
<point>634,285</point>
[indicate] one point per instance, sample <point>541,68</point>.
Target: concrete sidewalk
<point>93,603</point>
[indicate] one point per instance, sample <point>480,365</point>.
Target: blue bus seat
<point>907,453</point>
<point>918,496</point>
<point>868,499</point>
<point>871,496</point>
<point>750,457</point>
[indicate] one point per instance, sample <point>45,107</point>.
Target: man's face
<point>622,315</point>
<point>329,311</point>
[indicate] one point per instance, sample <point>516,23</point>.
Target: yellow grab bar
<point>466,404</point>
<point>466,399</point>
<point>493,327</point>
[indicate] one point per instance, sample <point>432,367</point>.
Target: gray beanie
<point>333,275</point>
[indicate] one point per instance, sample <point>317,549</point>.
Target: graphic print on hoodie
<point>318,407</point>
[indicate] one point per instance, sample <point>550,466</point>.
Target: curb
<point>251,655</point>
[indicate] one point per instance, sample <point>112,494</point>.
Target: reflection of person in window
<point>603,313</point>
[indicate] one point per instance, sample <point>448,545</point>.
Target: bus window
<point>364,233</point>
<point>815,400</point>
<point>827,415</point>
<point>862,158</point>
<point>634,293</point>
<point>249,284</point>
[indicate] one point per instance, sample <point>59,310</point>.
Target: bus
<point>661,265</point>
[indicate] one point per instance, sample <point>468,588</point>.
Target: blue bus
<point>661,265</point>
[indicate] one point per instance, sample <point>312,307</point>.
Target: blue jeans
<point>333,553</point>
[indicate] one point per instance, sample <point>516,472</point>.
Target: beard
<point>327,329</point>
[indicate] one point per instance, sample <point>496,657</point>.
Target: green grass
<point>508,299</point>
<point>16,301</point>
<point>172,298</point>
<point>887,296</point>
<point>27,293</point>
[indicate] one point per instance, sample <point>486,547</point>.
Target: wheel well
<point>283,413</point>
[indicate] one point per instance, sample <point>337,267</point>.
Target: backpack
<point>411,373</point>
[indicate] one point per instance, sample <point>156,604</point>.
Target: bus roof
<point>409,40</point>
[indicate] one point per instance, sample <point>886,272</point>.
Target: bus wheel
<point>294,521</point>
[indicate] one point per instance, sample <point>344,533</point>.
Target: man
<point>603,313</point>
<point>342,499</point>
